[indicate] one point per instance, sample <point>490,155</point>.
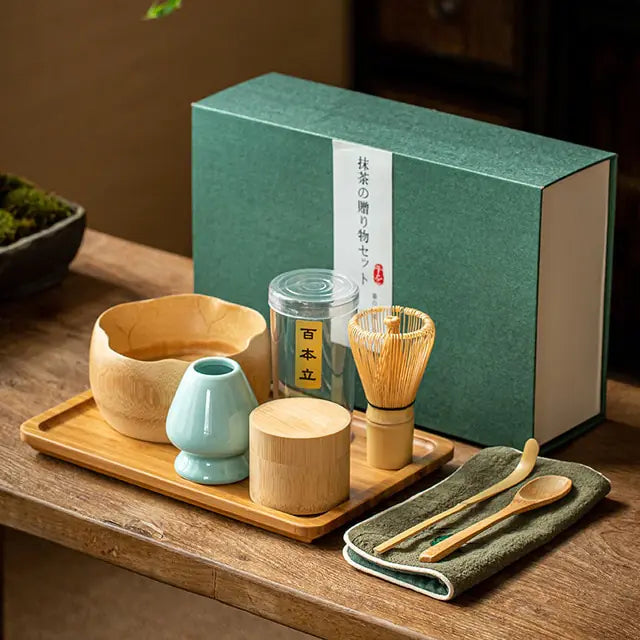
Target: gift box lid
<point>403,129</point>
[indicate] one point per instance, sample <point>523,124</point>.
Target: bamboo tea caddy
<point>300,454</point>
<point>391,347</point>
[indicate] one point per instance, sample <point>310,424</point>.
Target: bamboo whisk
<point>391,347</point>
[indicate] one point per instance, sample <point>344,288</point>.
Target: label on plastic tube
<point>308,354</point>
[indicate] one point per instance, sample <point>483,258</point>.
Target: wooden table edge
<point>153,273</point>
<point>179,568</point>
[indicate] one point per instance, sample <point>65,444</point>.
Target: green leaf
<point>162,8</point>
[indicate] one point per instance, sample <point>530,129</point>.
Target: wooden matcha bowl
<point>140,351</point>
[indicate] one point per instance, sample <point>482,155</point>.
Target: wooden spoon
<point>536,493</point>
<point>524,468</point>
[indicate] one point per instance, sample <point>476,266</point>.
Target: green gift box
<point>503,237</point>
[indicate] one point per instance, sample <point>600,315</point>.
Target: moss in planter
<point>9,182</point>
<point>25,209</point>
<point>25,227</point>
<point>27,203</point>
<point>8,226</point>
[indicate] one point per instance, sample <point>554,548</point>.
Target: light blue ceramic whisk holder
<point>209,422</point>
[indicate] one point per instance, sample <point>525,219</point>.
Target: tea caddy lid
<point>313,294</point>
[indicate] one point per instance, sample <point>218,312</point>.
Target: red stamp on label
<point>378,274</point>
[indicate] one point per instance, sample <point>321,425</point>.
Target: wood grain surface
<point>140,351</point>
<point>2,578</point>
<point>302,458</point>
<point>585,584</point>
<point>75,431</point>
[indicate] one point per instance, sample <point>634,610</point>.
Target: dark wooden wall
<point>567,69</point>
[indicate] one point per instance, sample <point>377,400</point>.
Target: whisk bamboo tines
<point>391,347</point>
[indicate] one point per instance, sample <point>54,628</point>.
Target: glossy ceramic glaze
<point>209,422</point>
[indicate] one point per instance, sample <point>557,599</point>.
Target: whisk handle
<point>389,437</point>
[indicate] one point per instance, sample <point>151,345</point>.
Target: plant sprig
<point>162,8</point>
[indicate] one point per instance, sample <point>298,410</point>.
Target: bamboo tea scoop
<point>536,493</point>
<point>525,467</point>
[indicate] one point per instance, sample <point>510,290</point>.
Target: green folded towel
<point>488,552</point>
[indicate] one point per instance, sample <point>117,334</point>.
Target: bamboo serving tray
<point>76,432</point>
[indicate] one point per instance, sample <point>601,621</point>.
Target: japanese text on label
<point>308,354</point>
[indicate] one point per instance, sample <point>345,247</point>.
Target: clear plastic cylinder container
<point>310,354</point>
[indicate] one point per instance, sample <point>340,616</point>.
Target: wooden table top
<point>584,585</point>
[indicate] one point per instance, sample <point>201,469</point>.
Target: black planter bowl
<point>42,259</point>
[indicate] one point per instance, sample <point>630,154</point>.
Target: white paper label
<point>363,220</point>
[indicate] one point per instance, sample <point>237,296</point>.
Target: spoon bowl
<point>544,489</point>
